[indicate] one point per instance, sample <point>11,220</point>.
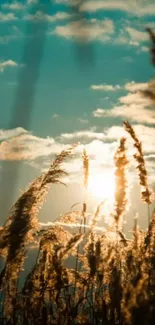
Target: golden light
<point>102,186</point>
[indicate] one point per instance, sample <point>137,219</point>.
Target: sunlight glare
<point>102,186</point>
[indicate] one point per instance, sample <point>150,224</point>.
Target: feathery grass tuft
<point>139,157</point>
<point>121,163</point>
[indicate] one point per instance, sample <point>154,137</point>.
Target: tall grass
<point>99,290</point>
<point>121,163</point>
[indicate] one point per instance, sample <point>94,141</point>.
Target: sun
<point>102,186</point>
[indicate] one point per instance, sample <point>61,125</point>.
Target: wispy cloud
<point>7,134</point>
<point>110,135</point>
<point>105,87</point>
<point>133,112</point>
<point>39,15</point>
<point>19,144</point>
<point>5,17</point>
<point>93,29</point>
<point>134,106</point>
<point>8,63</point>
<point>146,134</point>
<point>101,151</point>
<point>139,7</point>
<point>137,35</point>
<point>93,6</point>
<point>131,86</point>
<point>22,145</point>
<point>84,121</point>
<point>85,134</point>
<point>15,5</point>
<point>134,86</point>
<point>135,98</point>
<point>132,35</point>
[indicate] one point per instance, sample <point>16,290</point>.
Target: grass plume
<point>121,163</point>
<point>146,194</point>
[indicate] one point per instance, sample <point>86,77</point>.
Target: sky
<point>69,77</point>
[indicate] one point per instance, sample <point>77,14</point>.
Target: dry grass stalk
<point>85,168</point>
<point>146,194</point>
<point>121,163</point>
<point>96,216</point>
<point>86,176</point>
<point>136,233</point>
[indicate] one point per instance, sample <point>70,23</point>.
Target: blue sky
<point>76,98</point>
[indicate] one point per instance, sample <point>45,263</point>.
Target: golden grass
<point>108,285</point>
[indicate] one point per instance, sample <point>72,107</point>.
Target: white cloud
<point>138,7</point>
<point>84,121</point>
<point>100,112</point>
<point>39,15</point>
<point>91,135</point>
<point>101,152</point>
<point>73,166</point>
<point>86,30</point>
<point>25,146</point>
<point>19,144</point>
<point>101,149</point>
<point>86,134</point>
<point>136,35</point>
<point>104,30</point>
<point>145,134</point>
<point>6,134</point>
<point>132,36</point>
<point>147,9</point>
<point>135,98</point>
<point>115,133</point>
<point>8,63</point>
<point>133,86</point>
<point>105,87</point>
<point>133,112</point>
<point>96,142</point>
<point>135,106</point>
<point>93,6</point>
<point>7,17</point>
<point>15,5</point>
<point>147,137</point>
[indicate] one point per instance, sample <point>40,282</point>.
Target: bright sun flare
<point>102,186</point>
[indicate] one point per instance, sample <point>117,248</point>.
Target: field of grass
<point>113,281</point>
